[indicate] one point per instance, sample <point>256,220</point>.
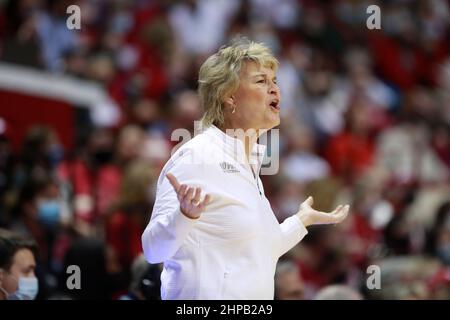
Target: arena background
<point>86,118</point>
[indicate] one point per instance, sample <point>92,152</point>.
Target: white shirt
<point>231,251</point>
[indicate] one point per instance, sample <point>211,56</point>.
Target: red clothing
<point>101,186</point>
<point>403,66</point>
<point>361,237</point>
<point>349,154</point>
<point>123,234</point>
<point>150,65</point>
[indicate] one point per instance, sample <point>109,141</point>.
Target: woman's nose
<point>274,88</point>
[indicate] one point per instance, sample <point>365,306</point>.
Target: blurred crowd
<point>365,120</point>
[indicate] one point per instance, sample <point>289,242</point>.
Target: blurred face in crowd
<point>54,149</point>
<point>101,146</point>
<point>300,138</point>
<point>358,117</point>
<point>130,143</point>
<point>288,199</point>
<point>257,99</point>
<point>443,242</point>
<point>187,108</point>
<point>101,68</point>
<point>289,286</point>
<point>16,279</point>
<point>145,111</point>
<point>49,205</point>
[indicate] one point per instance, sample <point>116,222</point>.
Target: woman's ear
<point>230,101</point>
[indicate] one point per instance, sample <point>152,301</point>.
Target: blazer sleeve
<point>293,231</point>
<point>169,227</point>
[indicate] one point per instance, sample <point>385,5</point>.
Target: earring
<point>234,109</point>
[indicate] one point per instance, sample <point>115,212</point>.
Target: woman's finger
<point>338,208</point>
<point>173,181</point>
<point>196,198</point>
<point>341,214</point>
<point>345,212</point>
<point>181,191</point>
<point>189,194</point>
<point>308,202</point>
<point>329,214</point>
<point>205,202</point>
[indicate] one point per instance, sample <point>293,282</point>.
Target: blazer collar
<point>235,148</point>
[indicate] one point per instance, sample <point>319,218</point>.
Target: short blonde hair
<point>219,75</point>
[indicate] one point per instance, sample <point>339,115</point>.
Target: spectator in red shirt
<point>351,151</point>
<point>125,225</point>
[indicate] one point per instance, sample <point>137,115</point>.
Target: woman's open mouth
<point>275,105</point>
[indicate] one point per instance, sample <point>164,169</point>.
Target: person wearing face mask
<point>49,212</point>
<point>440,234</point>
<point>17,267</point>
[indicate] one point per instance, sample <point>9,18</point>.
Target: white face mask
<point>27,290</point>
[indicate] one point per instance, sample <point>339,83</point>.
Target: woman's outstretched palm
<point>310,216</point>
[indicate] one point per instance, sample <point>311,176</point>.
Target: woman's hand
<point>309,216</point>
<point>189,198</point>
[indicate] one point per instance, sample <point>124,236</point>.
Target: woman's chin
<point>271,125</point>
<point>275,121</point>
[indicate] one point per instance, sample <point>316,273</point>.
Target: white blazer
<point>231,251</point>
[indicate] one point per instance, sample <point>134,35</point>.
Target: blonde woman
<point>212,226</point>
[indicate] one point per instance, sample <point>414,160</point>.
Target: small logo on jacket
<point>228,167</point>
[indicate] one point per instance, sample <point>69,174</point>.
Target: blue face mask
<point>49,212</point>
<point>443,252</point>
<point>28,289</point>
<point>55,154</point>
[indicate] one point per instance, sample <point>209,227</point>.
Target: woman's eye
<point>261,81</point>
